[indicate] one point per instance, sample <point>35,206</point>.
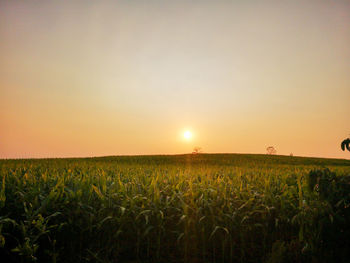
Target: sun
<point>187,135</point>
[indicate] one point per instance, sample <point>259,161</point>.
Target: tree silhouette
<point>271,150</point>
<point>345,144</point>
<point>197,150</point>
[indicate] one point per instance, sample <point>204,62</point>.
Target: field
<point>181,208</point>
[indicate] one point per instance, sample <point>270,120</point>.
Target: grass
<point>181,208</point>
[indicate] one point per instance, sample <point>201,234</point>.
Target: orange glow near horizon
<point>93,78</point>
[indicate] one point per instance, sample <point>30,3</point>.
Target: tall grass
<point>187,208</point>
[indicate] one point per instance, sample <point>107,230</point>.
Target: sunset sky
<point>92,78</point>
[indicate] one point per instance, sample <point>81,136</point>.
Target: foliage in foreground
<point>188,208</point>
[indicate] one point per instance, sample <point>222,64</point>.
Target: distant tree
<point>345,144</point>
<point>197,150</point>
<point>271,150</point>
<point>291,154</point>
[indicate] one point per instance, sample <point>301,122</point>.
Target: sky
<point>95,78</point>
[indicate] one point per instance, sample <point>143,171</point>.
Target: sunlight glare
<point>187,135</point>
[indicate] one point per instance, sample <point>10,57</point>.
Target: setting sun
<point>175,131</point>
<point>187,135</point>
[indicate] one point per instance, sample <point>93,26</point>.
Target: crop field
<point>181,208</point>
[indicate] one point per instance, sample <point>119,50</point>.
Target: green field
<point>181,208</point>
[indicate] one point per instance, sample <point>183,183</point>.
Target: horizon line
<point>170,154</point>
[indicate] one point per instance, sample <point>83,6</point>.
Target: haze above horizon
<point>93,78</point>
